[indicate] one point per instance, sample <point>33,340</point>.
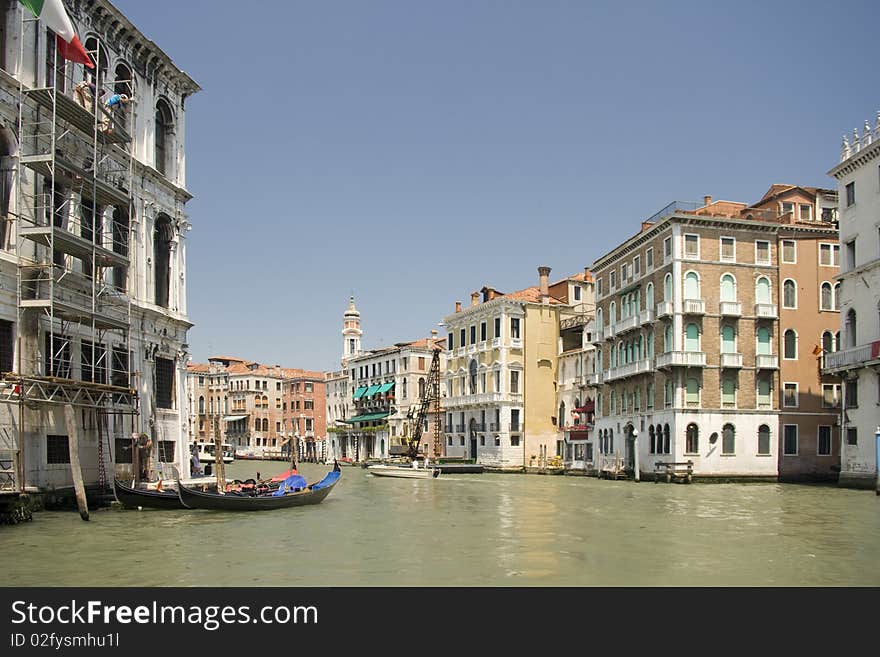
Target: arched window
<point>836,303</point>
<point>99,56</point>
<point>610,441</point>
<point>849,328</point>
<point>826,297</point>
<point>691,285</point>
<point>666,439</point>
<point>265,424</point>
<point>789,294</point>
<point>649,296</point>
<point>612,313</point>
<point>790,344</point>
<point>162,136</point>
<point>763,341</point>
<point>162,238</point>
<point>201,405</point>
<point>762,290</point>
<point>124,86</point>
<point>692,337</point>
<point>613,356</point>
<point>649,345</point>
<point>561,414</point>
<point>763,439</point>
<point>828,342</point>
<point>667,288</point>
<point>422,386</point>
<point>473,379</point>
<point>651,434</point>
<point>728,288</point>
<point>692,442</point>
<point>728,339</point>
<point>599,317</point>
<point>728,439</point>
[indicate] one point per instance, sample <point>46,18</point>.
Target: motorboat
<point>206,452</point>
<point>403,471</point>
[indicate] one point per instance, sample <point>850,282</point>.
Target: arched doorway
<point>472,433</point>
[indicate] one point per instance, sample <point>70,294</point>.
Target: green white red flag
<point>53,14</point>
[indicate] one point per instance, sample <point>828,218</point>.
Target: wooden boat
<point>403,471</point>
<point>279,499</point>
<point>150,499</point>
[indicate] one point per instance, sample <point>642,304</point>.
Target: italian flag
<point>55,17</point>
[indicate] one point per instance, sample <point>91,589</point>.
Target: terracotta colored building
<point>303,408</point>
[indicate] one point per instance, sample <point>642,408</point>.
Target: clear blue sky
<point>413,152</point>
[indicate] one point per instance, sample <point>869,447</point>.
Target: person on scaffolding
<point>112,105</point>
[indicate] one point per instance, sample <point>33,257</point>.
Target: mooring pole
<point>75,469</point>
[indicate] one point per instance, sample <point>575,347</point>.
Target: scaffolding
<point>73,229</point>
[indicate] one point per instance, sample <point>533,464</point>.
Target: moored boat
<point>293,491</point>
<point>403,471</point>
<point>151,499</point>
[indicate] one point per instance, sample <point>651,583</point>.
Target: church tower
<point>351,332</point>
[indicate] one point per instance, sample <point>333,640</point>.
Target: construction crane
<point>429,403</point>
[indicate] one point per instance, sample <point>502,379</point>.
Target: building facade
<point>501,369</point>
<point>94,227</point>
<point>303,406</point>
<point>857,363</point>
<point>208,401</point>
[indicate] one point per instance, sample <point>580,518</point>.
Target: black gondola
<point>311,494</point>
<point>151,499</point>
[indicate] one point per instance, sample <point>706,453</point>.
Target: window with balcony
<point>763,346</point>
<point>728,339</point>
<point>789,252</point>
<point>473,334</point>
<point>497,328</point>
<point>789,342</point>
<point>691,285</point>
<point>728,249</point>
<point>692,337</point>
<point>514,382</point>
<point>762,290</point>
<point>728,391</point>
<point>514,328</point>
<point>649,296</point>
<point>764,440</point>
<point>728,288</point>
<point>849,329</point>
<point>667,287</point>
<point>667,339</point>
<point>612,313</point>
<point>790,395</point>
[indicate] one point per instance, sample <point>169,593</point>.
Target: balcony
<point>598,336</point>
<point>496,342</point>
<point>767,362</point>
<point>482,398</point>
<point>861,356</point>
<point>730,308</point>
<point>731,360</point>
<point>766,310</point>
<point>681,359</point>
<point>627,324</point>
<point>516,343</point>
<point>594,379</point>
<point>694,307</point>
<point>609,331</point>
<point>458,353</point>
<point>459,428</point>
<point>630,369</point>
<point>646,316</point>
<point>472,349</point>
<point>664,309</point>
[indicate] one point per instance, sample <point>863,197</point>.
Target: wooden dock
<point>674,471</point>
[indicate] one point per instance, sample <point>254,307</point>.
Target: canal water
<point>470,530</point>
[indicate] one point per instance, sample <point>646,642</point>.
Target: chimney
<point>544,283</point>
<point>458,306</point>
<point>707,200</point>
<point>475,298</point>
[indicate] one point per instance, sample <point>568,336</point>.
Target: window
<point>728,249</point>
<point>789,254</point>
<point>693,392</point>
<point>123,450</point>
<point>482,331</point>
<point>308,387</point>
<point>790,440</point>
<point>449,341</point>
<point>851,393</point>
<point>692,442</point>
<point>764,389</point>
<point>667,339</point>
<point>667,288</point>
<point>93,362</point>
<point>762,290</point>
<point>164,387</point>
<point>57,450</point>
<point>162,137</point>
<point>728,288</point>
<point>649,259</point>
<point>514,328</point>
<point>728,439</point>
<point>649,296</point>
<point>763,348</point>
<point>691,246</point>
<point>829,255</point>
<point>790,395</point>
<point>473,377</point>
<point>828,342</point>
<point>637,266</point>
<point>649,396</point>
<point>166,451</point>
<point>849,329</point>
<point>762,252</point>
<point>764,440</point>
<point>806,212</point>
<point>497,327</point>
<point>201,405</point>
<point>836,297</point>
<point>514,381</point>
<point>728,339</point>
<point>514,441</point>
<point>473,335</point>
<point>514,420</point>
<point>826,297</point>
<point>309,405</point>
<point>163,235</point>
<point>850,194</point>
<point>786,207</point>
<point>692,337</point>
<point>789,345</point>
<point>668,394</point>
<point>612,279</point>
<point>728,392</point>
<point>120,228</point>
<point>823,441</point>
<point>850,255</point>
<point>691,285</point>
<point>598,287</point>
<point>830,395</point>
<point>852,436</point>
<point>667,248</point>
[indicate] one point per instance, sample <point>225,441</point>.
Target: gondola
<point>150,499</point>
<point>293,492</point>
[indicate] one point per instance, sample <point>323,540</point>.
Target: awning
<point>385,387</point>
<point>359,392</point>
<point>368,417</point>
<point>372,390</point>
<point>234,418</point>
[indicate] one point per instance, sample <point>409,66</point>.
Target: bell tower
<point>351,332</point>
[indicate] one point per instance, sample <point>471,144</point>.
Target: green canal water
<point>470,530</point>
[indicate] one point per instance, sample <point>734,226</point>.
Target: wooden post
<point>219,466</point>
<point>75,469</point>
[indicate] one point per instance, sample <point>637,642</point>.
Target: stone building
<point>857,363</point>
<point>93,311</point>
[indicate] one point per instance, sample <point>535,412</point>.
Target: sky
<point>410,153</point>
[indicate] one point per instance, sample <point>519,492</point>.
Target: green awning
<point>385,387</point>
<point>368,417</point>
<point>359,392</point>
<point>372,390</point>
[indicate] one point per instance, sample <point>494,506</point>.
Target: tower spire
<point>351,331</point>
